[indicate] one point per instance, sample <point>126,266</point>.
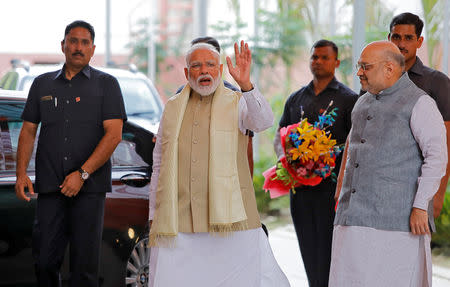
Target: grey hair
<point>396,58</point>
<point>200,46</point>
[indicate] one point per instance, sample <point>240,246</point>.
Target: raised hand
<point>241,72</point>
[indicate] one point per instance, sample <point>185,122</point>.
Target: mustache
<point>78,53</point>
<point>403,50</point>
<point>209,77</point>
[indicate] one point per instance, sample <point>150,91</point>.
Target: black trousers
<point>313,216</point>
<point>61,220</point>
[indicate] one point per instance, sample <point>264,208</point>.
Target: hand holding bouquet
<point>309,155</point>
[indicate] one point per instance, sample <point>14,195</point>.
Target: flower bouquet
<point>309,155</point>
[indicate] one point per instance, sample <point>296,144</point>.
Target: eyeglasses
<point>196,66</point>
<point>365,66</point>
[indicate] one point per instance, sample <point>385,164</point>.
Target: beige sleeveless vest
<point>204,182</point>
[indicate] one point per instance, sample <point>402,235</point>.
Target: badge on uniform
<point>77,99</point>
<point>46,98</point>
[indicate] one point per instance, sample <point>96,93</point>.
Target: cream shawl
<point>226,208</point>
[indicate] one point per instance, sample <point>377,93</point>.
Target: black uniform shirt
<point>343,98</point>
<point>71,113</point>
<point>434,83</point>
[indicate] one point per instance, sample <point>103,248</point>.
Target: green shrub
<point>267,159</point>
<point>265,204</point>
<point>441,237</point>
<point>262,198</point>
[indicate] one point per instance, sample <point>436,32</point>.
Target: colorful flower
<point>310,155</point>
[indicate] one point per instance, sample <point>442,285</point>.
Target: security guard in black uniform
<point>312,207</point>
<point>81,112</point>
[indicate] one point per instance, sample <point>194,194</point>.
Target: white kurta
<point>203,260</point>
<point>368,257</point>
<point>363,256</point>
<point>244,258</point>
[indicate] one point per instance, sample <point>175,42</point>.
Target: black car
<point>124,255</point>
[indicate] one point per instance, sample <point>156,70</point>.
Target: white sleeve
<point>255,113</point>
<point>429,131</point>
<point>155,174</point>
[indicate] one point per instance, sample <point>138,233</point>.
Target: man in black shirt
<point>405,31</point>
<point>312,207</point>
<point>81,112</point>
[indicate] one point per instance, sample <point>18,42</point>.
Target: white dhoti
<point>199,259</point>
<point>363,256</point>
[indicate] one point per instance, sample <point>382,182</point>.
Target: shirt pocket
<point>49,109</point>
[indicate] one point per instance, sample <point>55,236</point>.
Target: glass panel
<point>10,125</point>
<point>139,98</point>
<point>135,149</point>
<point>25,84</point>
<point>9,81</point>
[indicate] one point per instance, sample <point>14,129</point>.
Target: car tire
<point>137,274</point>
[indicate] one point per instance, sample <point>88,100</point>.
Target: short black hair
<point>407,19</point>
<point>207,40</point>
<point>80,23</point>
<point>326,43</point>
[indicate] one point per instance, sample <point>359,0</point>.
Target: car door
<point>16,216</point>
<point>125,257</point>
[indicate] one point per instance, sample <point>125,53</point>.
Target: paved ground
<point>286,251</point>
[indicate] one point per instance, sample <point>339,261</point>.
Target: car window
<point>135,149</point>
<point>9,81</point>
<point>10,125</point>
<point>139,97</point>
<point>25,84</point>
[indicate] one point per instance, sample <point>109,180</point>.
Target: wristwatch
<point>83,174</point>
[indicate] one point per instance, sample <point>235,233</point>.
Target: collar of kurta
<point>226,207</point>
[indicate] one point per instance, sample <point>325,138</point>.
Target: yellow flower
<point>327,159</point>
<point>305,148</point>
<point>319,149</point>
<point>295,153</point>
<point>304,127</point>
<point>315,143</point>
<point>309,136</point>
